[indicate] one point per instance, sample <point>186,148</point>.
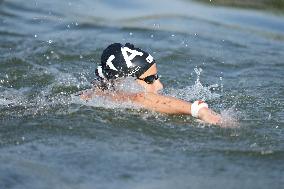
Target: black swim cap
<point>123,61</point>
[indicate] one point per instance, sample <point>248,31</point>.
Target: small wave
<point>41,100</point>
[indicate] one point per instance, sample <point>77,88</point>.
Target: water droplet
<point>49,41</point>
<point>269,117</point>
<point>253,145</point>
<point>35,35</point>
<point>81,56</point>
<point>152,36</point>
<point>130,33</point>
<point>156,25</point>
<point>173,35</point>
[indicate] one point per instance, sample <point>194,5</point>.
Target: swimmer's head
<point>118,61</point>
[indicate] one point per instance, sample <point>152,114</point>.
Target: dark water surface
<point>272,5</point>
<point>48,139</point>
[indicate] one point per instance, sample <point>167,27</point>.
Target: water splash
<point>100,101</point>
<point>41,100</point>
<point>129,85</point>
<point>26,101</point>
<point>229,118</point>
<point>11,97</point>
<point>125,85</point>
<point>196,91</point>
<point>5,102</point>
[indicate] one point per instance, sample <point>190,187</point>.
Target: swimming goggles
<point>150,79</point>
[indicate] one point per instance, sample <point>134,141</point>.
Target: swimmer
<point>120,61</point>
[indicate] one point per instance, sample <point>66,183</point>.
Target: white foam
<point>33,101</point>
<point>100,101</point>
<point>229,118</point>
<point>129,85</point>
<point>126,85</point>
<point>194,92</point>
<point>5,102</point>
<point>10,96</point>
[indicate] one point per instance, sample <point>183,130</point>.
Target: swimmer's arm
<point>171,105</point>
<point>159,103</point>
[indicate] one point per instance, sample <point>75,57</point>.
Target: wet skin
<point>154,87</point>
<point>150,99</point>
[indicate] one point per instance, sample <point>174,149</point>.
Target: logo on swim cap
<point>133,54</point>
<point>119,60</point>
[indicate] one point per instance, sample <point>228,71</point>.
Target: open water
<point>49,139</point>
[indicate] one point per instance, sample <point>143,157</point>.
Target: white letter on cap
<point>100,72</point>
<point>149,59</point>
<point>109,63</point>
<point>127,58</point>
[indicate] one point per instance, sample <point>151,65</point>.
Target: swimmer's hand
<point>209,116</point>
<point>224,121</point>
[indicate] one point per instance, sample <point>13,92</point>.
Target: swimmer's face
<point>155,85</point>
